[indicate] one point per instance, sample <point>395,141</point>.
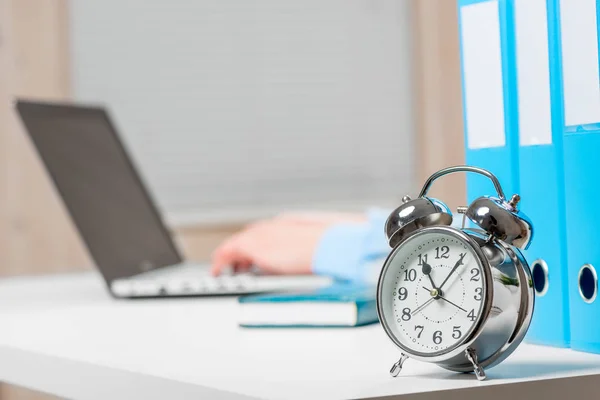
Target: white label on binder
<point>482,70</point>
<point>581,82</point>
<point>533,72</point>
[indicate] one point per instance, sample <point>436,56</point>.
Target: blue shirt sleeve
<point>353,252</point>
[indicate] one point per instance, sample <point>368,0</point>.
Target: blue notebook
<point>339,305</point>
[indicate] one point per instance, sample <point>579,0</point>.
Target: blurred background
<point>233,110</point>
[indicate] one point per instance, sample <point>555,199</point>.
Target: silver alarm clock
<point>460,298</point>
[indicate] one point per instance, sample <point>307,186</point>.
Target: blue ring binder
<point>502,160</point>
<point>542,185</point>
<point>581,143</point>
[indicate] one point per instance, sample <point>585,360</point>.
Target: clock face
<point>432,292</point>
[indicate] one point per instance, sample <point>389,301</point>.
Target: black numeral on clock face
<point>442,252</point>
<point>422,257</point>
<point>420,329</point>
<point>406,314</point>
<point>410,275</point>
<point>471,315</point>
<point>478,294</point>
<point>475,274</point>
<point>437,337</point>
<point>402,293</point>
<point>456,333</point>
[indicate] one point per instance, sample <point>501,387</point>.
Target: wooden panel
<point>37,234</point>
<point>5,57</point>
<point>438,96</point>
<point>40,48</point>
<point>10,392</point>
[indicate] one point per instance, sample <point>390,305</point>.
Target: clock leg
<point>472,357</point>
<point>397,367</point>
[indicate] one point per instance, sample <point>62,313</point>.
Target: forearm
<point>353,252</point>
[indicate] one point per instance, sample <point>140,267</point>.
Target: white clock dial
<point>438,292</point>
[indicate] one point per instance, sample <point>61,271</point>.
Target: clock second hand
<point>422,306</point>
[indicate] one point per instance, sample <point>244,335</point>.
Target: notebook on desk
<point>115,214</point>
<point>339,305</point>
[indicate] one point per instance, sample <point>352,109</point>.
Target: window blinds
<point>268,104</point>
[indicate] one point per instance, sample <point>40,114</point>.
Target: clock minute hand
<point>458,263</point>
<point>455,305</point>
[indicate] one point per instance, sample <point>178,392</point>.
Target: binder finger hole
<point>588,283</point>
<point>539,272</point>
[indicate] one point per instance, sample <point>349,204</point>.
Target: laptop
<point>115,214</point>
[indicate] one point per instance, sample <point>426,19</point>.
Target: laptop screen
<point>100,187</point>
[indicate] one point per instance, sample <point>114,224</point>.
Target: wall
<point>263,106</point>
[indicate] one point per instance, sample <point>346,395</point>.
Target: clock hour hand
<point>458,263</point>
<point>427,271</point>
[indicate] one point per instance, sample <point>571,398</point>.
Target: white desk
<point>65,335</point>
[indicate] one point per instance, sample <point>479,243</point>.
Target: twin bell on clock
<point>458,297</point>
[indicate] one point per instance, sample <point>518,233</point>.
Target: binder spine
<point>581,143</point>
<point>503,161</point>
<point>558,122</point>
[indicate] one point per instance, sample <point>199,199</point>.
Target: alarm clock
<point>461,298</point>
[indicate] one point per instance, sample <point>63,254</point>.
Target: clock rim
<point>477,327</point>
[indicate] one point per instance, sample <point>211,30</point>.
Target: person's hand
<point>282,245</point>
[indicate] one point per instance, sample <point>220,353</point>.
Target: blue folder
<point>487,67</point>
<point>541,171</point>
<point>581,94</point>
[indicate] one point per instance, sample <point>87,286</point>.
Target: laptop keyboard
<point>198,284</point>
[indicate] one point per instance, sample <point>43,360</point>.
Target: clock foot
<point>477,369</point>
<point>397,367</point>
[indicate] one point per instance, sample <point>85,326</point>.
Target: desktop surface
<point>65,335</point>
